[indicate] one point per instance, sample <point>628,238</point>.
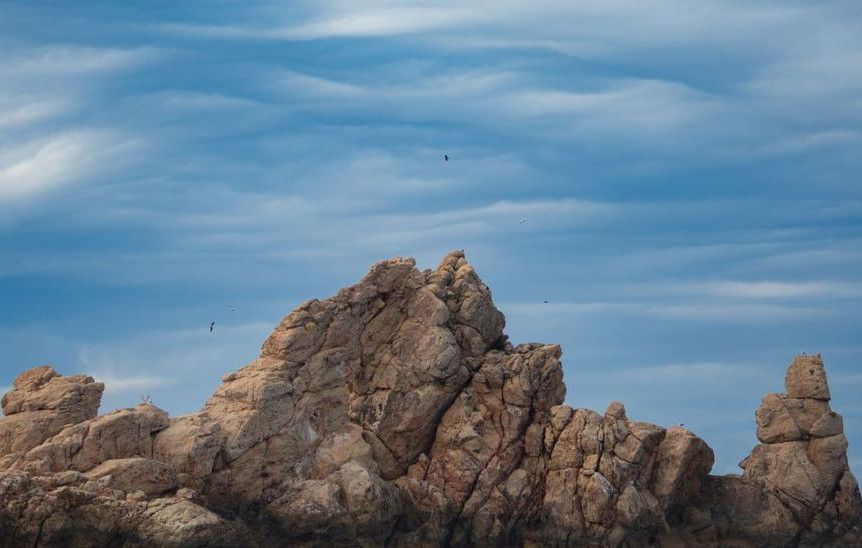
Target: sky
<point>689,172</point>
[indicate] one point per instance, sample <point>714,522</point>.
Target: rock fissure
<point>805,525</point>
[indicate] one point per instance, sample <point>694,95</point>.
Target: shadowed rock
<point>396,413</point>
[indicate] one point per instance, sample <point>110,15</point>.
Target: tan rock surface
<point>40,404</point>
<point>136,474</point>
<point>397,414</point>
<point>120,434</point>
<point>806,378</point>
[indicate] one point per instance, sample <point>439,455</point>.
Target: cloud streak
<point>706,312</point>
<point>64,159</point>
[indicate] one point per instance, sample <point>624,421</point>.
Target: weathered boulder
<point>806,378</point>
<point>682,462</point>
<point>40,404</point>
<point>396,413</point>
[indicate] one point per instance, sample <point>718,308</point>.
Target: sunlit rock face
<point>396,413</point>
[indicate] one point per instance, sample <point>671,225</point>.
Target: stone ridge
<point>397,413</point>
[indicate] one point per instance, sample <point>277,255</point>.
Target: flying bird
<point>446,157</point>
<point>546,302</point>
<point>230,308</point>
<point>211,327</point>
<point>522,220</point>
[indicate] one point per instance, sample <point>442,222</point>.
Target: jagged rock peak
<point>396,413</point>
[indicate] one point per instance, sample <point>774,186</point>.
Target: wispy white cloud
<point>794,71</point>
<point>836,253</point>
<point>403,85</point>
<point>743,313</point>
<point>62,159</point>
<point>192,100</point>
<point>383,21</point>
<point>66,60</point>
<point>737,312</point>
<point>383,230</point>
<point>46,147</point>
<point>612,108</point>
<point>641,98</point>
<point>799,254</point>
<point>758,290</point>
<point>805,142</point>
<point>693,372</point>
<point>555,22</point>
<point>827,69</point>
<point>368,21</point>
<point>316,86</point>
<point>17,112</point>
<point>135,382</point>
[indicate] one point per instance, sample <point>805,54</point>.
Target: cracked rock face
<point>396,413</point>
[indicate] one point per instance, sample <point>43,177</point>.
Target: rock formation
<point>40,405</point>
<point>396,413</point>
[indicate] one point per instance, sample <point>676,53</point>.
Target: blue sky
<point>689,172</point>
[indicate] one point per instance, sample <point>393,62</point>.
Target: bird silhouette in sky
<point>230,308</point>
<point>446,157</point>
<point>211,327</point>
<point>522,220</point>
<point>546,302</point>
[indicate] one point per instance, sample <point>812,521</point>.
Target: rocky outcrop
<point>397,413</point>
<point>40,404</point>
<point>799,472</point>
